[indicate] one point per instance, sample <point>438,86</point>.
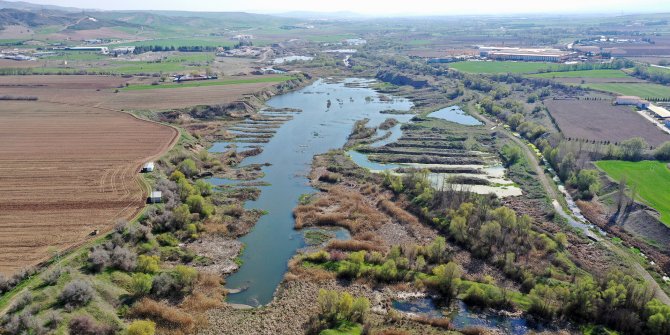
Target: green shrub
<point>142,327</point>
<point>188,167</point>
<point>148,264</point>
<point>140,284</point>
<point>197,204</point>
<point>168,239</point>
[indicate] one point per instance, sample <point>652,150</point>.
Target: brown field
<point>65,171</point>
<point>600,120</point>
<point>98,91</point>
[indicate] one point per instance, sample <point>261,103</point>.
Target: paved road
<point>554,195</point>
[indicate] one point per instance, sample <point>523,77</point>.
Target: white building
<point>148,167</point>
<point>629,100</point>
<point>155,197</point>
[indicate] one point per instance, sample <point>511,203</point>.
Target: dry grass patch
<point>164,315</point>
<point>342,207</point>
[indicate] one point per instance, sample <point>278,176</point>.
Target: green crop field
<point>210,83</point>
<point>651,179</point>
<point>582,74</point>
<point>642,90</point>
<point>502,67</point>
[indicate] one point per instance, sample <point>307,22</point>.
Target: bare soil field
<point>600,120</point>
<point>99,91</point>
<point>66,171</point>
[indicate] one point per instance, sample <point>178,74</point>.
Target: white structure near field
<point>155,197</point>
<point>148,167</point>
<point>525,54</point>
<point>629,100</point>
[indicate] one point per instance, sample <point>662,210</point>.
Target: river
<point>318,129</point>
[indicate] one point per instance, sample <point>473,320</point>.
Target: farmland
<point>99,91</point>
<point>582,74</point>
<point>501,67</point>
<point>273,79</point>
<point>644,90</point>
<point>601,121</point>
<point>651,179</point>
<point>68,170</point>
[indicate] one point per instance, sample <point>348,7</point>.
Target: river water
<point>318,129</point>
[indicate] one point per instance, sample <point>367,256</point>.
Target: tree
<point>458,228</point>
<point>662,153</point>
<point>447,278</point>
<point>197,204</point>
<point>188,167</point>
<point>633,148</point>
<point>490,233</point>
<point>566,166</point>
<point>587,182</point>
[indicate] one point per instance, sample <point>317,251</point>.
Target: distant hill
<point>321,15</point>
<point>31,6</point>
<point>10,16</point>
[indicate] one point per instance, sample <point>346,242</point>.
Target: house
<point>148,167</point>
<point>155,197</point>
<point>630,100</point>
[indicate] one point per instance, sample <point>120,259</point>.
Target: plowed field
<point>65,171</point>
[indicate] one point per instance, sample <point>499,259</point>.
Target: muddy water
<point>316,130</point>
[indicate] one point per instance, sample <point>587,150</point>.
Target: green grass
<point>642,90</point>
<point>209,83</point>
<point>651,179</point>
<point>582,74</point>
<point>344,328</point>
<point>502,67</point>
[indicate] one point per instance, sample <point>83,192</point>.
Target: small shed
<point>148,167</point>
<point>155,197</point>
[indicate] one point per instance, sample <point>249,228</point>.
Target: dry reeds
<point>207,294</point>
<point>339,207</point>
<point>403,216</point>
<point>164,315</point>
<point>354,245</point>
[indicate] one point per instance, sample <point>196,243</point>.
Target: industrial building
<point>629,100</point>
<point>660,112</point>
<point>102,50</point>
<point>520,54</point>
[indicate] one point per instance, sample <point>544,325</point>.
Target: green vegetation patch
<point>651,91</point>
<point>344,328</point>
<point>502,67</point>
<point>651,179</point>
<point>210,83</point>
<point>582,74</point>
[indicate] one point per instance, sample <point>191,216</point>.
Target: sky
<point>382,7</point>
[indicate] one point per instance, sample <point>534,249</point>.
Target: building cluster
<point>15,56</point>
<point>658,112</point>
<point>525,54</point>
